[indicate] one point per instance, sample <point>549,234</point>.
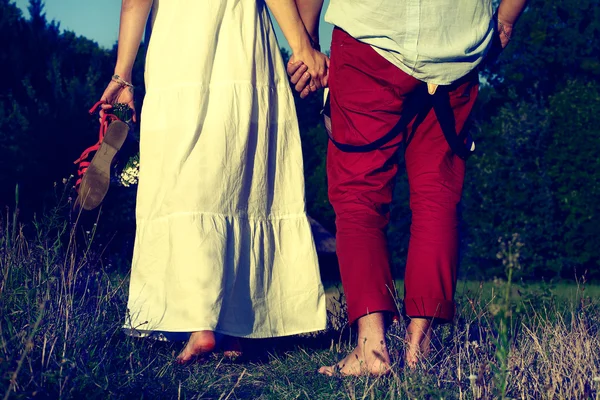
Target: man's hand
<point>502,36</point>
<point>504,30</point>
<point>508,13</point>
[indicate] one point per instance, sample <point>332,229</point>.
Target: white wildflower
<point>131,172</point>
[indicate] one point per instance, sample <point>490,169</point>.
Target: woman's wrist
<point>301,45</point>
<point>124,73</point>
<point>122,82</point>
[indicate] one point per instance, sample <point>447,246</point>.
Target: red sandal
<point>94,176</point>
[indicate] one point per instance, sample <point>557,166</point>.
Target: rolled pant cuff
<point>372,305</point>
<point>423,307</point>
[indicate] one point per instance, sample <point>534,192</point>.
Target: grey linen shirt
<point>436,41</point>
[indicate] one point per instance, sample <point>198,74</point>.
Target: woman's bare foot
<point>418,341</point>
<point>201,342</point>
<point>371,356</point>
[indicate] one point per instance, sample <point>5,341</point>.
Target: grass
<point>61,310</point>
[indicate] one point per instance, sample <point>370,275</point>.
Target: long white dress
<point>223,242</point>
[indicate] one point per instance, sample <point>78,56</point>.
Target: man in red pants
<point>401,73</point>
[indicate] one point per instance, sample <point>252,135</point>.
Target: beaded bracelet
<point>117,79</point>
<point>503,30</point>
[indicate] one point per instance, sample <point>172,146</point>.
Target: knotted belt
<point>422,99</point>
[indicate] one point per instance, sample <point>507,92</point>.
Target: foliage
<point>535,169</point>
<point>49,80</point>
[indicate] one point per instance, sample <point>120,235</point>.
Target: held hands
<point>118,91</point>
<point>308,71</point>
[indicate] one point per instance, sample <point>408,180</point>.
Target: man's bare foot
<point>365,359</point>
<point>371,356</point>
<point>201,342</point>
<point>418,341</point>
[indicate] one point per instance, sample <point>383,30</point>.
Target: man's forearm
<point>134,14</point>
<point>288,17</point>
<point>510,10</point>
<point>310,12</point>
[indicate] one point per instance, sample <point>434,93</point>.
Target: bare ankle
<point>418,340</point>
<point>371,327</point>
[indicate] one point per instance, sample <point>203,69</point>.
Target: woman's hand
<point>318,66</point>
<point>308,71</point>
<point>117,93</point>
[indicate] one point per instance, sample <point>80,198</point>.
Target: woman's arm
<point>288,17</point>
<point>134,15</point>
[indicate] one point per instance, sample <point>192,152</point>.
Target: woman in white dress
<point>223,246</point>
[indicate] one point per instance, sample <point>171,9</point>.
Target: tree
<point>535,170</point>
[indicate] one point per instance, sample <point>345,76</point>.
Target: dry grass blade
<point>234,386</point>
<point>26,350</point>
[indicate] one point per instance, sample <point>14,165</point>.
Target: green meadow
<point>60,337</point>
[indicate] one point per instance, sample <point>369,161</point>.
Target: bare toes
<point>232,347</point>
<point>329,371</point>
<point>232,354</point>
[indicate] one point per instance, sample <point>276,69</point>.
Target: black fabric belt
<point>420,100</point>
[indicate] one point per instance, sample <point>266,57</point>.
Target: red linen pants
<point>368,94</point>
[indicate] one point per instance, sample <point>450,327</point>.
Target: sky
<point>99,20</point>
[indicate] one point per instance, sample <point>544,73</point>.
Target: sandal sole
<point>96,180</point>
